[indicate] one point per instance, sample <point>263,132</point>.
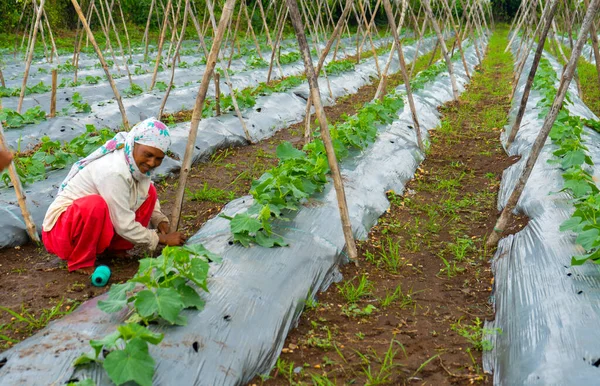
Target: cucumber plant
<point>159,292</point>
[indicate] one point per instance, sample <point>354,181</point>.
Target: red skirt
<point>85,230</point>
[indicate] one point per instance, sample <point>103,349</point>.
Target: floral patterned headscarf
<point>150,132</point>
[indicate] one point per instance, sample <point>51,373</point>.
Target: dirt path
<point>413,311</point>
<point>38,286</point>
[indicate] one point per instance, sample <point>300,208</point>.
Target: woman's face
<point>147,157</point>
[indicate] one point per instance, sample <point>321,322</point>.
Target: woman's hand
<point>172,239</point>
<point>163,227</point>
<point>5,159</point>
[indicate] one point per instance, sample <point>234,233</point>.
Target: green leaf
<point>269,241</point>
<point>588,239</point>
<point>165,302</point>
<point>133,330</point>
<point>133,363</point>
<point>286,151</point>
<point>190,297</point>
<point>108,342</point>
<point>200,250</point>
<point>242,222</point>
<point>86,358</point>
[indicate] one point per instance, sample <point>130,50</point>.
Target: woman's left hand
<point>163,227</point>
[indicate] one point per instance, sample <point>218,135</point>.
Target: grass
<point>353,293</point>
<point>211,194</point>
<point>475,334</point>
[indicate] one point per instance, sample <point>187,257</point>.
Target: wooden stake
<point>160,45</point>
<point>145,39</point>
<point>53,94</point>
<point>218,93</point>
<point>281,24</point>
<point>537,146</point>
<point>197,113</point>
<point>30,55</point>
<point>413,110</point>
<point>383,79</point>
<point>447,58</point>
<point>19,192</point>
<point>536,61</point>
<point>325,136</point>
<point>103,62</point>
<point>173,64</point>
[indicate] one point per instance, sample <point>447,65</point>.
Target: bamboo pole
<point>537,146</point>
<point>41,27</point>
<point>111,21</point>
<point>536,61</point>
<point>103,62</point>
<point>145,39</point>
<point>197,113</point>
<point>19,192</point>
<point>411,103</point>
<point>447,58</point>
<point>173,64</point>
<point>234,37</point>
<point>78,48</point>
<point>594,37</point>
<point>2,82</point>
<point>54,50</point>
<point>383,80</point>
<point>53,93</point>
<point>421,36</point>
<point>160,46</point>
<point>218,93</point>
<point>458,40</point>
<point>126,32</point>
<point>104,26</point>
<point>325,136</point>
<point>174,29</point>
<point>251,29</point>
<point>336,32</point>
<point>30,56</point>
<point>279,27</point>
<point>17,29</point>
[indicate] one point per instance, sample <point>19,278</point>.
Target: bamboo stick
<point>218,93</point>
<point>173,64</point>
<point>19,192</point>
<point>103,62</point>
<point>30,55</point>
<point>325,136</point>
<point>160,46</point>
<point>197,113</point>
<point>536,61</point>
<point>411,103</point>
<point>383,79</point>
<point>145,39</point>
<point>53,93</point>
<point>447,58</point>
<point>537,146</point>
<point>277,40</point>
<point>112,22</point>
<point>336,32</point>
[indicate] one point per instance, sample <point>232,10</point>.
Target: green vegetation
<point>52,155</point>
<point>11,119</point>
<point>210,194</point>
<point>475,334</point>
<point>164,295</point>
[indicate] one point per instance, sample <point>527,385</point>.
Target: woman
<point>108,200</point>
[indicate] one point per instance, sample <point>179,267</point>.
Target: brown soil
<point>446,212</point>
<point>35,280</point>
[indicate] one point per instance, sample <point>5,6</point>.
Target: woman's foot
<point>86,270</point>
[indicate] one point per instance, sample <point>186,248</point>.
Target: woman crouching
<point>108,200</point>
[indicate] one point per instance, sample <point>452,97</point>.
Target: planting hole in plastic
<point>3,362</point>
<point>195,346</point>
<point>596,363</point>
<point>227,318</point>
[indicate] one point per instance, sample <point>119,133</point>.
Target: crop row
<point>571,157</point>
<point>302,173</point>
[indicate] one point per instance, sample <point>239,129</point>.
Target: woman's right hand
<point>172,239</point>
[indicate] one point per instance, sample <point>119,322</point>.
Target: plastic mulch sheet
<point>270,114</point>
<point>547,310</point>
<point>256,294</point>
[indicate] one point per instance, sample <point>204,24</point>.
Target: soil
<point>419,330</point>
<point>430,332</point>
<point>28,271</point>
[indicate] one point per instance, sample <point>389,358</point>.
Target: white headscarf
<point>150,132</point>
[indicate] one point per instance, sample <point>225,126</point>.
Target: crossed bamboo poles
<point>316,17</point>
